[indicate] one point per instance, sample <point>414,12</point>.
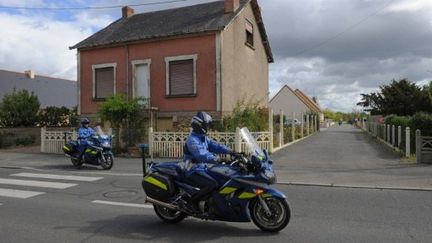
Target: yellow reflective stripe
<point>87,150</point>
<point>66,148</point>
<point>227,190</point>
<point>247,195</point>
<point>156,182</point>
<point>266,195</point>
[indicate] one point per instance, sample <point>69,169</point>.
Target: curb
<point>357,186</point>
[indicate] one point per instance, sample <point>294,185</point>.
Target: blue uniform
<point>83,134</point>
<point>202,149</point>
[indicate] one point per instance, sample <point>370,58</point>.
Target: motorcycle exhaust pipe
<point>163,204</point>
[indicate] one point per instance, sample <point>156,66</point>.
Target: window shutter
<point>181,77</point>
<point>104,82</point>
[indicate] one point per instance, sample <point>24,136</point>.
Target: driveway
<point>346,156</point>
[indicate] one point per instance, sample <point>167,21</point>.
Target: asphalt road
<point>69,213</point>
<point>344,155</point>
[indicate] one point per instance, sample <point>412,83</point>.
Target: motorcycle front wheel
<point>276,220</point>
<point>108,163</point>
<point>169,215</point>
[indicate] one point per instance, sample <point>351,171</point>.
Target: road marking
<point>58,177</point>
<point>55,185</point>
<point>135,205</point>
<point>18,193</point>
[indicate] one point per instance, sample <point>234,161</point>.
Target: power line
<point>88,8</point>
<point>343,31</point>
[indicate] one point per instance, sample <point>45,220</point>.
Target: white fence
<point>53,141</point>
<point>170,144</point>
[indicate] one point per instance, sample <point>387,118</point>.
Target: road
<point>75,211</point>
<point>346,156</point>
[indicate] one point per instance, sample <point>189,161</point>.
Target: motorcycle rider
<point>84,133</point>
<point>199,150</point>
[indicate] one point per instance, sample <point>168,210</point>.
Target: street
<point>44,199</point>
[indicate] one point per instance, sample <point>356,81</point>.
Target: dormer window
<point>249,34</point>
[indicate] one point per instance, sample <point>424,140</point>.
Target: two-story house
<point>197,58</point>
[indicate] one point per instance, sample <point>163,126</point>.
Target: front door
<point>142,81</point>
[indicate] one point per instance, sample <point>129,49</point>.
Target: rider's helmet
<point>201,122</point>
<point>85,122</point>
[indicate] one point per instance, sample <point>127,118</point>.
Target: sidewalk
<point>345,156</point>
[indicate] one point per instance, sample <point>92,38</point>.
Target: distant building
<point>50,91</point>
<point>289,101</point>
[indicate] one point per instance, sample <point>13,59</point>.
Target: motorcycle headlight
<point>106,145</point>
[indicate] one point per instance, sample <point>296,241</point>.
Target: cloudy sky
<point>331,49</point>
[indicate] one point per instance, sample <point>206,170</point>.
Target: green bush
<point>57,116</point>
<point>247,114</point>
<point>6,140</point>
<point>423,122</point>
<point>25,140</point>
<point>18,109</point>
<point>403,121</point>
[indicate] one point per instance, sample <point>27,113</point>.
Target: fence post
<point>271,130</point>
<point>43,130</point>
<point>281,127</point>
<point>301,125</point>
<point>418,145</point>
<point>407,142</point>
<point>313,124</point>
<point>307,125</point>
<point>237,145</point>
<point>292,127</point>
<point>393,135</point>
<point>150,138</point>
<point>388,134</point>
<point>399,141</point>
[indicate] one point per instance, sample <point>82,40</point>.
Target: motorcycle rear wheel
<point>277,220</point>
<point>77,164</point>
<point>108,163</point>
<point>168,215</point>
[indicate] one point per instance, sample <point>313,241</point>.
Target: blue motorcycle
<point>244,192</point>
<point>98,151</point>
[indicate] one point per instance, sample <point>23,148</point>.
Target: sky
<point>331,49</point>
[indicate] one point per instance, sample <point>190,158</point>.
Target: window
<point>249,33</point>
<point>181,76</point>
<point>103,80</point>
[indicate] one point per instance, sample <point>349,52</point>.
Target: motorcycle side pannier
<point>70,147</point>
<point>159,187</point>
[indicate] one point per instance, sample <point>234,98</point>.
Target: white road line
<point>55,185</point>
<point>123,204</point>
<point>18,193</point>
<point>58,177</point>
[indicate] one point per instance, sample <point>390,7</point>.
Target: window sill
<point>99,99</point>
<point>250,46</point>
<point>181,96</point>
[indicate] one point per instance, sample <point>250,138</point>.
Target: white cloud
<point>41,43</point>
<point>410,6</point>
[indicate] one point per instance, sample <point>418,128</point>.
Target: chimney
<point>127,12</point>
<point>231,5</point>
<point>29,74</point>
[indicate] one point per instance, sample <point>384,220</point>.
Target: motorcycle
<point>98,151</point>
<point>244,192</point>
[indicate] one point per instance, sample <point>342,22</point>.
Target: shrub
<point>423,122</point>
<point>57,116</point>
<point>25,140</point>
<point>403,121</point>
<point>6,140</point>
<point>247,114</point>
<point>18,109</point>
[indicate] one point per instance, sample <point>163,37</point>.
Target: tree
<point>19,109</point>
<point>401,98</point>
<point>126,114</point>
